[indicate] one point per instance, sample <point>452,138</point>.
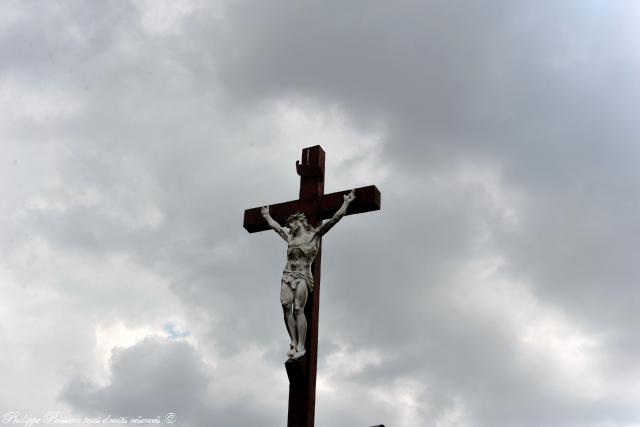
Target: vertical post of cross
<point>302,391</point>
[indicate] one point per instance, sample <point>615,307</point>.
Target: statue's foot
<point>298,354</point>
<point>291,351</point>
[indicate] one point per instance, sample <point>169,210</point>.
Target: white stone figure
<point>303,241</point>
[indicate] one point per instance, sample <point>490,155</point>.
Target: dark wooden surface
<point>296,371</point>
<point>367,200</point>
<point>302,397</point>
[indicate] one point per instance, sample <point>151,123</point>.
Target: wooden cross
<point>316,206</point>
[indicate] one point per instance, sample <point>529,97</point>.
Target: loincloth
<point>290,279</point>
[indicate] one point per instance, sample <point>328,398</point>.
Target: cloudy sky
<point>497,287</point>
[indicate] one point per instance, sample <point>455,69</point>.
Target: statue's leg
<point>290,323</point>
<point>301,320</point>
<point>287,298</point>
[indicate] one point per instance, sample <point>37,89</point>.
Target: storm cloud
<point>497,286</point>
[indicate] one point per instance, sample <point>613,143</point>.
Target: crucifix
<point>300,223</point>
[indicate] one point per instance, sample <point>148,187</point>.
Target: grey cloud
<point>148,379</point>
<point>525,89</point>
<point>154,378</point>
<point>171,143</point>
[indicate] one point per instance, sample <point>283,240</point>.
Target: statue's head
<point>298,220</point>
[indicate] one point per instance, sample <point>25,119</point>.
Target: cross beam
<point>367,199</point>
<point>316,206</point>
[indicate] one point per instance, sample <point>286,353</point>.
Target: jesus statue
<point>303,242</point>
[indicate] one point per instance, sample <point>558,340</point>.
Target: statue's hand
<point>264,210</point>
<point>350,197</point>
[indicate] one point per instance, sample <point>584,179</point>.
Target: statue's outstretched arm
<point>338,215</point>
<point>273,223</point>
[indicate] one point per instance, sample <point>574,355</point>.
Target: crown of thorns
<point>296,217</point>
